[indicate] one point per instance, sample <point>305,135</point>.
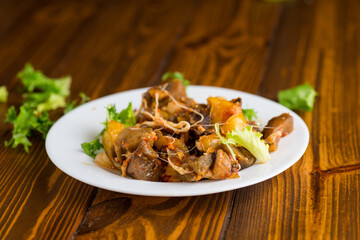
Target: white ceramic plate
<point>84,123</point>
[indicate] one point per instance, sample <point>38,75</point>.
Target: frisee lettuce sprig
<point>301,97</point>
<point>41,95</point>
<point>44,93</point>
<point>24,124</point>
<point>175,75</point>
<point>249,114</point>
<point>93,147</point>
<point>247,138</point>
<point>126,117</point>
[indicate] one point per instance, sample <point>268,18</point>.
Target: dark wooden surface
<point>255,46</point>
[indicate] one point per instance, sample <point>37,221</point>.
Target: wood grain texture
<point>186,217</point>
<point>224,47</point>
<point>232,50</point>
<point>38,201</point>
<point>254,46</point>
<point>154,217</point>
<point>317,198</point>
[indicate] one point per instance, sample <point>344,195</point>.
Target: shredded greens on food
<point>94,147</point>
<point>252,141</point>
<point>249,114</point>
<point>176,75</point>
<point>301,97</point>
<point>172,138</point>
<point>224,140</point>
<point>126,117</point>
<point>247,138</point>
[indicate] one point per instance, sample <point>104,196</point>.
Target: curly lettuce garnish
<point>25,123</point>
<point>125,117</point>
<point>249,114</point>
<point>224,140</point>
<point>301,97</point>
<point>41,95</point>
<point>44,93</point>
<point>175,75</point>
<point>247,138</point>
<point>94,147</point>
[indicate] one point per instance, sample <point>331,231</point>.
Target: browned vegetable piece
<point>194,168</point>
<point>200,165</point>
<point>144,163</point>
<point>242,155</point>
<point>128,139</point>
<point>177,89</point>
<point>236,121</point>
<point>216,165</point>
<point>224,166</point>
<point>276,128</point>
<point>171,175</point>
<point>207,142</point>
<point>109,136</point>
<point>187,174</point>
<point>177,147</point>
<point>103,160</point>
<point>174,109</point>
<point>221,109</point>
<point>247,160</point>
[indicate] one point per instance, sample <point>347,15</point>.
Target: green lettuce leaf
<point>249,139</point>
<point>249,114</point>
<point>42,92</point>
<point>301,97</point>
<point>224,140</point>
<point>43,124</point>
<point>94,147</point>
<point>53,102</point>
<point>175,75</point>
<point>24,123</point>
<point>126,117</point>
<point>3,94</point>
<point>36,80</point>
<point>11,115</point>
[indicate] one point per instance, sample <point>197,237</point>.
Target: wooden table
<point>254,46</point>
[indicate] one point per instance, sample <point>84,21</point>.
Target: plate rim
<point>133,191</point>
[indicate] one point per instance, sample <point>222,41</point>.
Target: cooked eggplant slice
<point>277,128</point>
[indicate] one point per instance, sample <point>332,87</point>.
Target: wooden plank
<point>36,198</point>
<point>316,43</point>
<point>11,12</point>
<point>154,217</point>
<point>231,51</point>
<point>223,40</point>
<point>89,41</point>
